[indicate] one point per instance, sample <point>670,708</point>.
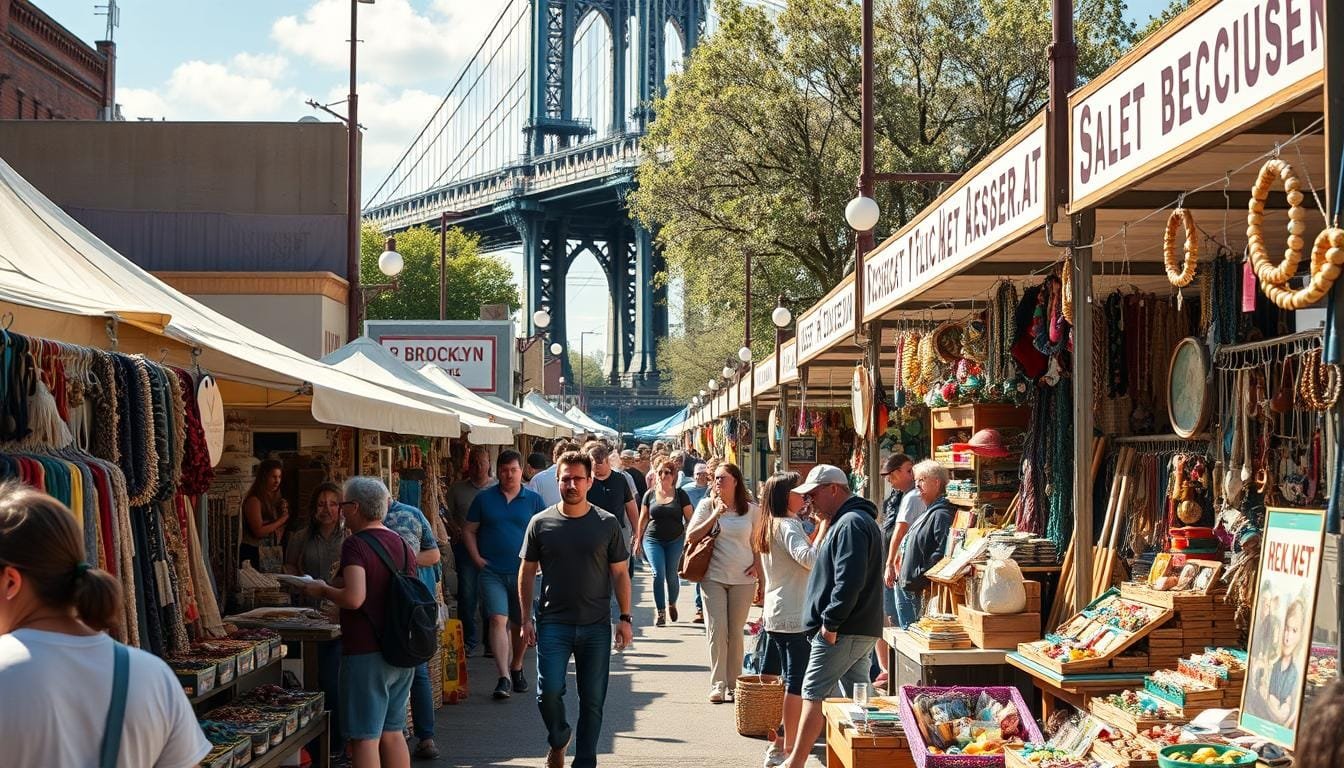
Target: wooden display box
<point>1182,601</point>
<point>1106,754</point>
<point>1127,722</point>
<point>1094,628</point>
<point>847,748</point>
<point>1000,630</point>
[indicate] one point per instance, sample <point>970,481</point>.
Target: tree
<point>587,369</point>
<point>473,279</point>
<point>1174,9</point>
<point>754,151</point>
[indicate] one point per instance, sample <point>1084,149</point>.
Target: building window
<point>19,111</point>
<point>37,109</point>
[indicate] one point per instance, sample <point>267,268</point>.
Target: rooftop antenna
<point>113,14</point>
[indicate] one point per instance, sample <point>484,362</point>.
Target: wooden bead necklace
<point>1180,219</point>
<point>1320,382</point>
<point>1327,253</point>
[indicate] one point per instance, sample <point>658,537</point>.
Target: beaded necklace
<point>1117,371</point>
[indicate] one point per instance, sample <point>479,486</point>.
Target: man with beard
<point>583,558</point>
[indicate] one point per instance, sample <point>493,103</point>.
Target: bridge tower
<point>554,233</point>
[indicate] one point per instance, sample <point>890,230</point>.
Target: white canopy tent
<point>576,415</point>
<point>49,261</point>
<point>536,404</point>
<point>531,424</point>
<point>371,361</point>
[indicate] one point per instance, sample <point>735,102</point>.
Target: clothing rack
<point>1165,444</point>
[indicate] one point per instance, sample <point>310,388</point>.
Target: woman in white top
<point>730,582</point>
<point>787,554</point>
<point>53,608</point>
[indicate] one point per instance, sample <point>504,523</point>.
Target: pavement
<point>657,709</point>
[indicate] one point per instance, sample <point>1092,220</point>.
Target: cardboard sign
<point>1285,606</point>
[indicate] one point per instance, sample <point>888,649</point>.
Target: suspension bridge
<point>535,146</point>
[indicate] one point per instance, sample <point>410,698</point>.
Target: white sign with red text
<point>998,201</point>
<point>469,359</point>
<point>1214,71</point>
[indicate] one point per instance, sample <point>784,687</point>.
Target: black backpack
<point>409,635</point>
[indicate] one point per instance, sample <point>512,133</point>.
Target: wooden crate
<point>1180,601</point>
<point>992,630</point>
<point>847,748</point>
<point>1104,752</point>
<point>1126,722</point>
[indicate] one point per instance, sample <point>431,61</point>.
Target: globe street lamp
<point>390,263</point>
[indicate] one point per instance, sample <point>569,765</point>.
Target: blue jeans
<point>468,579</point>
<point>699,599</point>
<point>664,556</point>
<point>422,703</point>
<point>590,645</point>
<point>907,608</point>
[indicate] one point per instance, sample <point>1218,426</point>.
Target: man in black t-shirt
<point>611,492</point>
<point>581,552</point>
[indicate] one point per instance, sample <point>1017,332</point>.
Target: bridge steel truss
<point>566,196</point>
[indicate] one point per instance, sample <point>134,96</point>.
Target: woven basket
<point>759,704</point>
<point>919,750</point>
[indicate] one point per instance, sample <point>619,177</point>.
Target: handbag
<point>695,560</point>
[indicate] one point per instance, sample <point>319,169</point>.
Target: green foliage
<point>472,278</point>
<point>1155,22</point>
<point>590,371</point>
<point>755,148</point>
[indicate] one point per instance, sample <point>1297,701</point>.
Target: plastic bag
<point>1002,590</point>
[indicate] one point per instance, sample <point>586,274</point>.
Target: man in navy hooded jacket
<point>843,608</point>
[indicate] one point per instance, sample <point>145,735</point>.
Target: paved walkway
<point>657,712</point>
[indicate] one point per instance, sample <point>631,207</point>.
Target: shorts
<point>498,593</point>
<point>786,655</point>
<point>889,604</point>
<point>848,661</point>
<point>373,696</point>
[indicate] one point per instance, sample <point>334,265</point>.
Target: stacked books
<point>1028,550</point>
<point>940,632</point>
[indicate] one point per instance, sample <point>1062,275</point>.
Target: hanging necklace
<point>1320,382</point>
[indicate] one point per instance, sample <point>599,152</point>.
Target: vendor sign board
<point>475,352</point>
<point>1219,69</point>
<point>998,201</point>
<point>764,374</point>
<point>744,391</point>
<point>788,363</point>
<point>1285,606</point>
<point>828,321</point>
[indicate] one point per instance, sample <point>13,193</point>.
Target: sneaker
<point>699,617</point>
<point>716,694</point>
<point>519,682</point>
<point>775,756</point>
<point>504,689</point>
<point>672,613</point>
<point>661,620</point>
<point>426,750</point>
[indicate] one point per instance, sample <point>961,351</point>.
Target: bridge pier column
<point>554,261</point>
<point>643,359</point>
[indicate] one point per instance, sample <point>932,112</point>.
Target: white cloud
<point>142,102</point>
<point>400,45</point>
<point>243,88</point>
<point>267,65</point>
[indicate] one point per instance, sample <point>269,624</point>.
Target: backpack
<point>409,635</point>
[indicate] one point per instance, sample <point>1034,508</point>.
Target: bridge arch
<point>674,46</point>
<point>593,53</point>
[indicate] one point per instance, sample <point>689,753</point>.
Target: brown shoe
<point>699,618</point>
<point>426,750</point>
<point>660,620</point>
<point>555,756</point>
<point>672,613</point>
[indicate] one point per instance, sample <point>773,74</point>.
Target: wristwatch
<point>627,618</point>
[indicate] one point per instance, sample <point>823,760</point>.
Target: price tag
<point>1248,287</point>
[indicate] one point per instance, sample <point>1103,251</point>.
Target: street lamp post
<point>541,320</point>
<point>355,302</point>
<point>781,317</point>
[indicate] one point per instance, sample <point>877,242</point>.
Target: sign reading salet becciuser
<point>1219,71</point>
<point>826,322</point>
<point>788,363</point>
<point>1001,199</point>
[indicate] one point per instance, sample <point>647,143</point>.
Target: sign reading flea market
<point>1001,199</point>
<point>1221,70</point>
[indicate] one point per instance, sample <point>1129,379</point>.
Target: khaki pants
<point>726,609</point>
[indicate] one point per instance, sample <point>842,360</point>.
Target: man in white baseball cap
<point>843,607</point>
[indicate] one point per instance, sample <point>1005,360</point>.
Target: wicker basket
<point>759,704</point>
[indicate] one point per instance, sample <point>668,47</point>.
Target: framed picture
<point>1180,573</point>
<point>1285,606</point>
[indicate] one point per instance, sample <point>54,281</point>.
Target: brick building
<point>47,73</point>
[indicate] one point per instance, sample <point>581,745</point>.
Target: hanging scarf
<point>196,472</point>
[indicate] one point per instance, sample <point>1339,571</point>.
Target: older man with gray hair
<point>373,693</point>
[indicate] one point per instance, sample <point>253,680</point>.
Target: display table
<point>1073,689</point>
<point>912,664</point>
<point>847,748</point>
<point>306,636</point>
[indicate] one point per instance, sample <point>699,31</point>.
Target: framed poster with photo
<point>1280,642</point>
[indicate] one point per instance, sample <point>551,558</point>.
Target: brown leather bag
<point>695,560</point>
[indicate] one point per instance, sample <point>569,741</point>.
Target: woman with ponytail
<point>76,707</point>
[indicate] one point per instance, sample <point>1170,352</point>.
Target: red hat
<point>986,442</point>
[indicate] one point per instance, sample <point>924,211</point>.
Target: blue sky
<point>254,60</point>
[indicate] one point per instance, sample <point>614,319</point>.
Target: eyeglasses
<point>345,504</point>
<point>666,472</point>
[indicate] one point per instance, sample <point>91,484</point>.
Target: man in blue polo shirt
<point>496,522</point>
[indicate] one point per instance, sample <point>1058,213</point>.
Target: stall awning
<point>371,361</point>
<point>576,415</point>
<point>670,427</point>
<point>49,261</point>
<point>529,424</point>
<point>536,404</point>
